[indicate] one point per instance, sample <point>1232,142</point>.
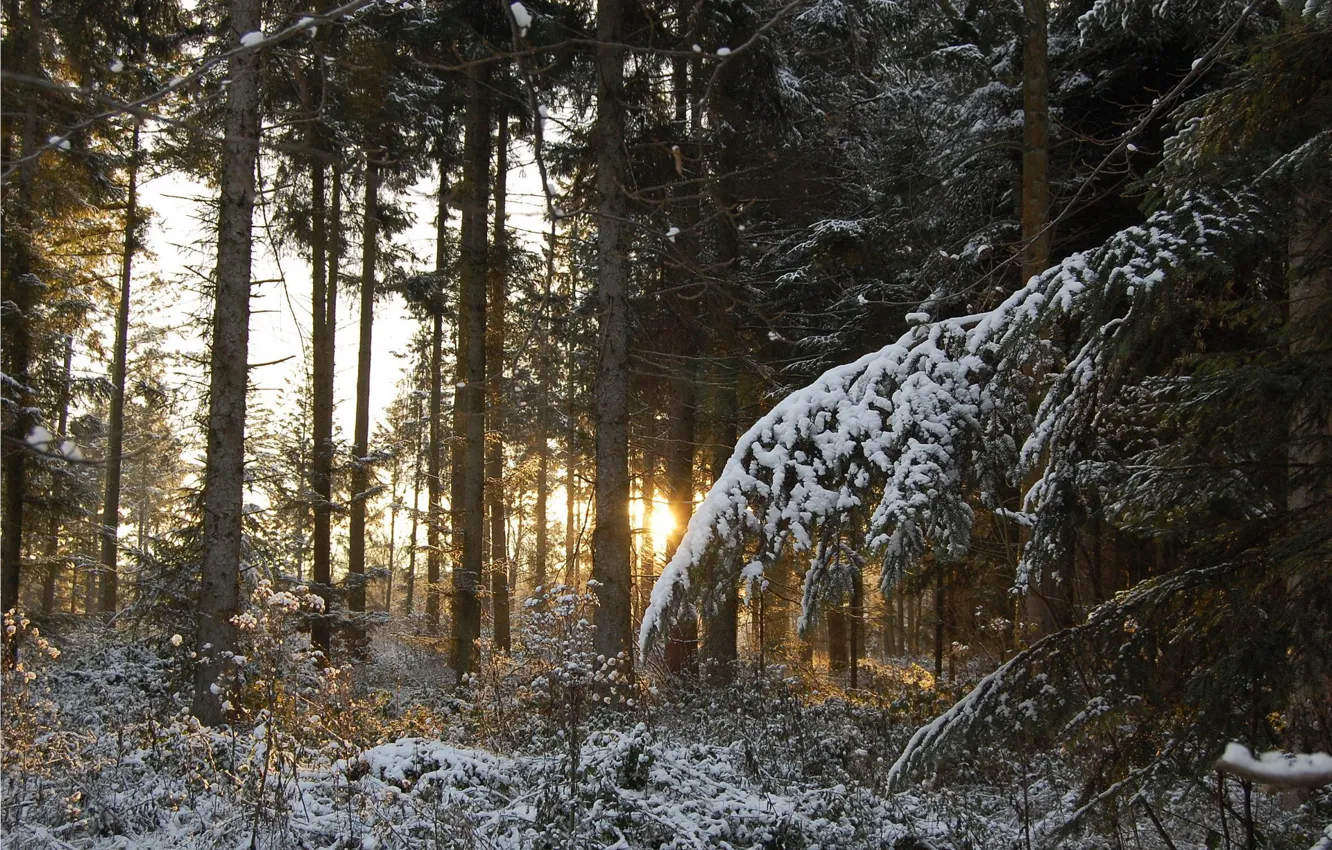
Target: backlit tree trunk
<point>469,399</point>
<point>219,592</point>
<point>498,292</point>
<point>360,478</point>
<point>323,321</point>
<point>610,535</point>
<point>115,430</point>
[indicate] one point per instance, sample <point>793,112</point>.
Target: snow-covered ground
<point>100,752</point>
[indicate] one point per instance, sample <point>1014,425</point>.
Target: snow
<point>672,232</point>
<point>116,66</point>
<point>59,142</point>
<point>39,438</point>
<point>902,432</point>
<point>723,51</point>
<point>1283,770</point>
<point>521,16</point>
<point>250,39</point>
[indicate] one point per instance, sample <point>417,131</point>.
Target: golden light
<point>662,525</point>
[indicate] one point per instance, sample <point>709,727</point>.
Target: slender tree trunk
<point>1310,255</point>
<point>115,432</point>
<point>20,288</point>
<point>541,556</point>
<point>224,480</point>
<point>856,617</point>
<point>435,520</point>
<point>837,654</point>
<point>57,491</point>
<point>322,344</point>
<point>648,548</point>
<point>1035,140</point>
<point>610,534</point>
<point>360,480</point>
<point>570,446</point>
<point>409,601</point>
<point>681,416</point>
<point>498,286</point>
<point>393,533</point>
<point>469,404</point>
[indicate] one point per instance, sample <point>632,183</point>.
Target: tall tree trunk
<point>52,553</point>
<point>1310,255</point>
<point>360,479</point>
<point>1035,140</point>
<point>469,404</point>
<point>498,286</point>
<point>435,483</point>
<point>393,534</point>
<point>21,289</point>
<point>570,445</point>
<point>1035,254</point>
<point>648,549</point>
<point>610,534</point>
<point>115,431</point>
<point>224,480</point>
<point>409,601</point>
<point>681,416</point>
<point>721,619</point>
<point>322,345</point>
<point>837,654</point>
<point>541,555</point>
<point>856,617</point>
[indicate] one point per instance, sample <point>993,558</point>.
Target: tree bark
<point>115,432</point>
<point>219,592</point>
<point>409,601</point>
<point>21,288</point>
<point>1310,264</point>
<point>837,654</point>
<point>469,403</point>
<point>1035,140</point>
<point>360,478</point>
<point>322,335</point>
<point>541,555</point>
<point>52,553</point>
<point>498,286</point>
<point>610,535</point>
<point>682,412</point>
<point>435,483</point>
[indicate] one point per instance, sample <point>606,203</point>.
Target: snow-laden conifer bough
<point>886,453</point>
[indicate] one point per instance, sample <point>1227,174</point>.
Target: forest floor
<point>100,752</point>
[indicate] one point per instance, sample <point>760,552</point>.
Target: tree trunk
<point>498,285</point>
<point>115,432</point>
<point>469,403</point>
<point>541,556</point>
<point>52,553</point>
<point>856,617</point>
<point>224,479</point>
<point>1035,141</point>
<point>435,483</point>
<point>1310,253</point>
<point>837,654</point>
<point>323,320</point>
<point>682,413</point>
<point>409,601</point>
<point>21,288</point>
<point>571,530</point>
<point>360,478</point>
<point>610,535</point>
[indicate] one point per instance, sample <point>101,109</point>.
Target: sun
<point>662,525</point>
